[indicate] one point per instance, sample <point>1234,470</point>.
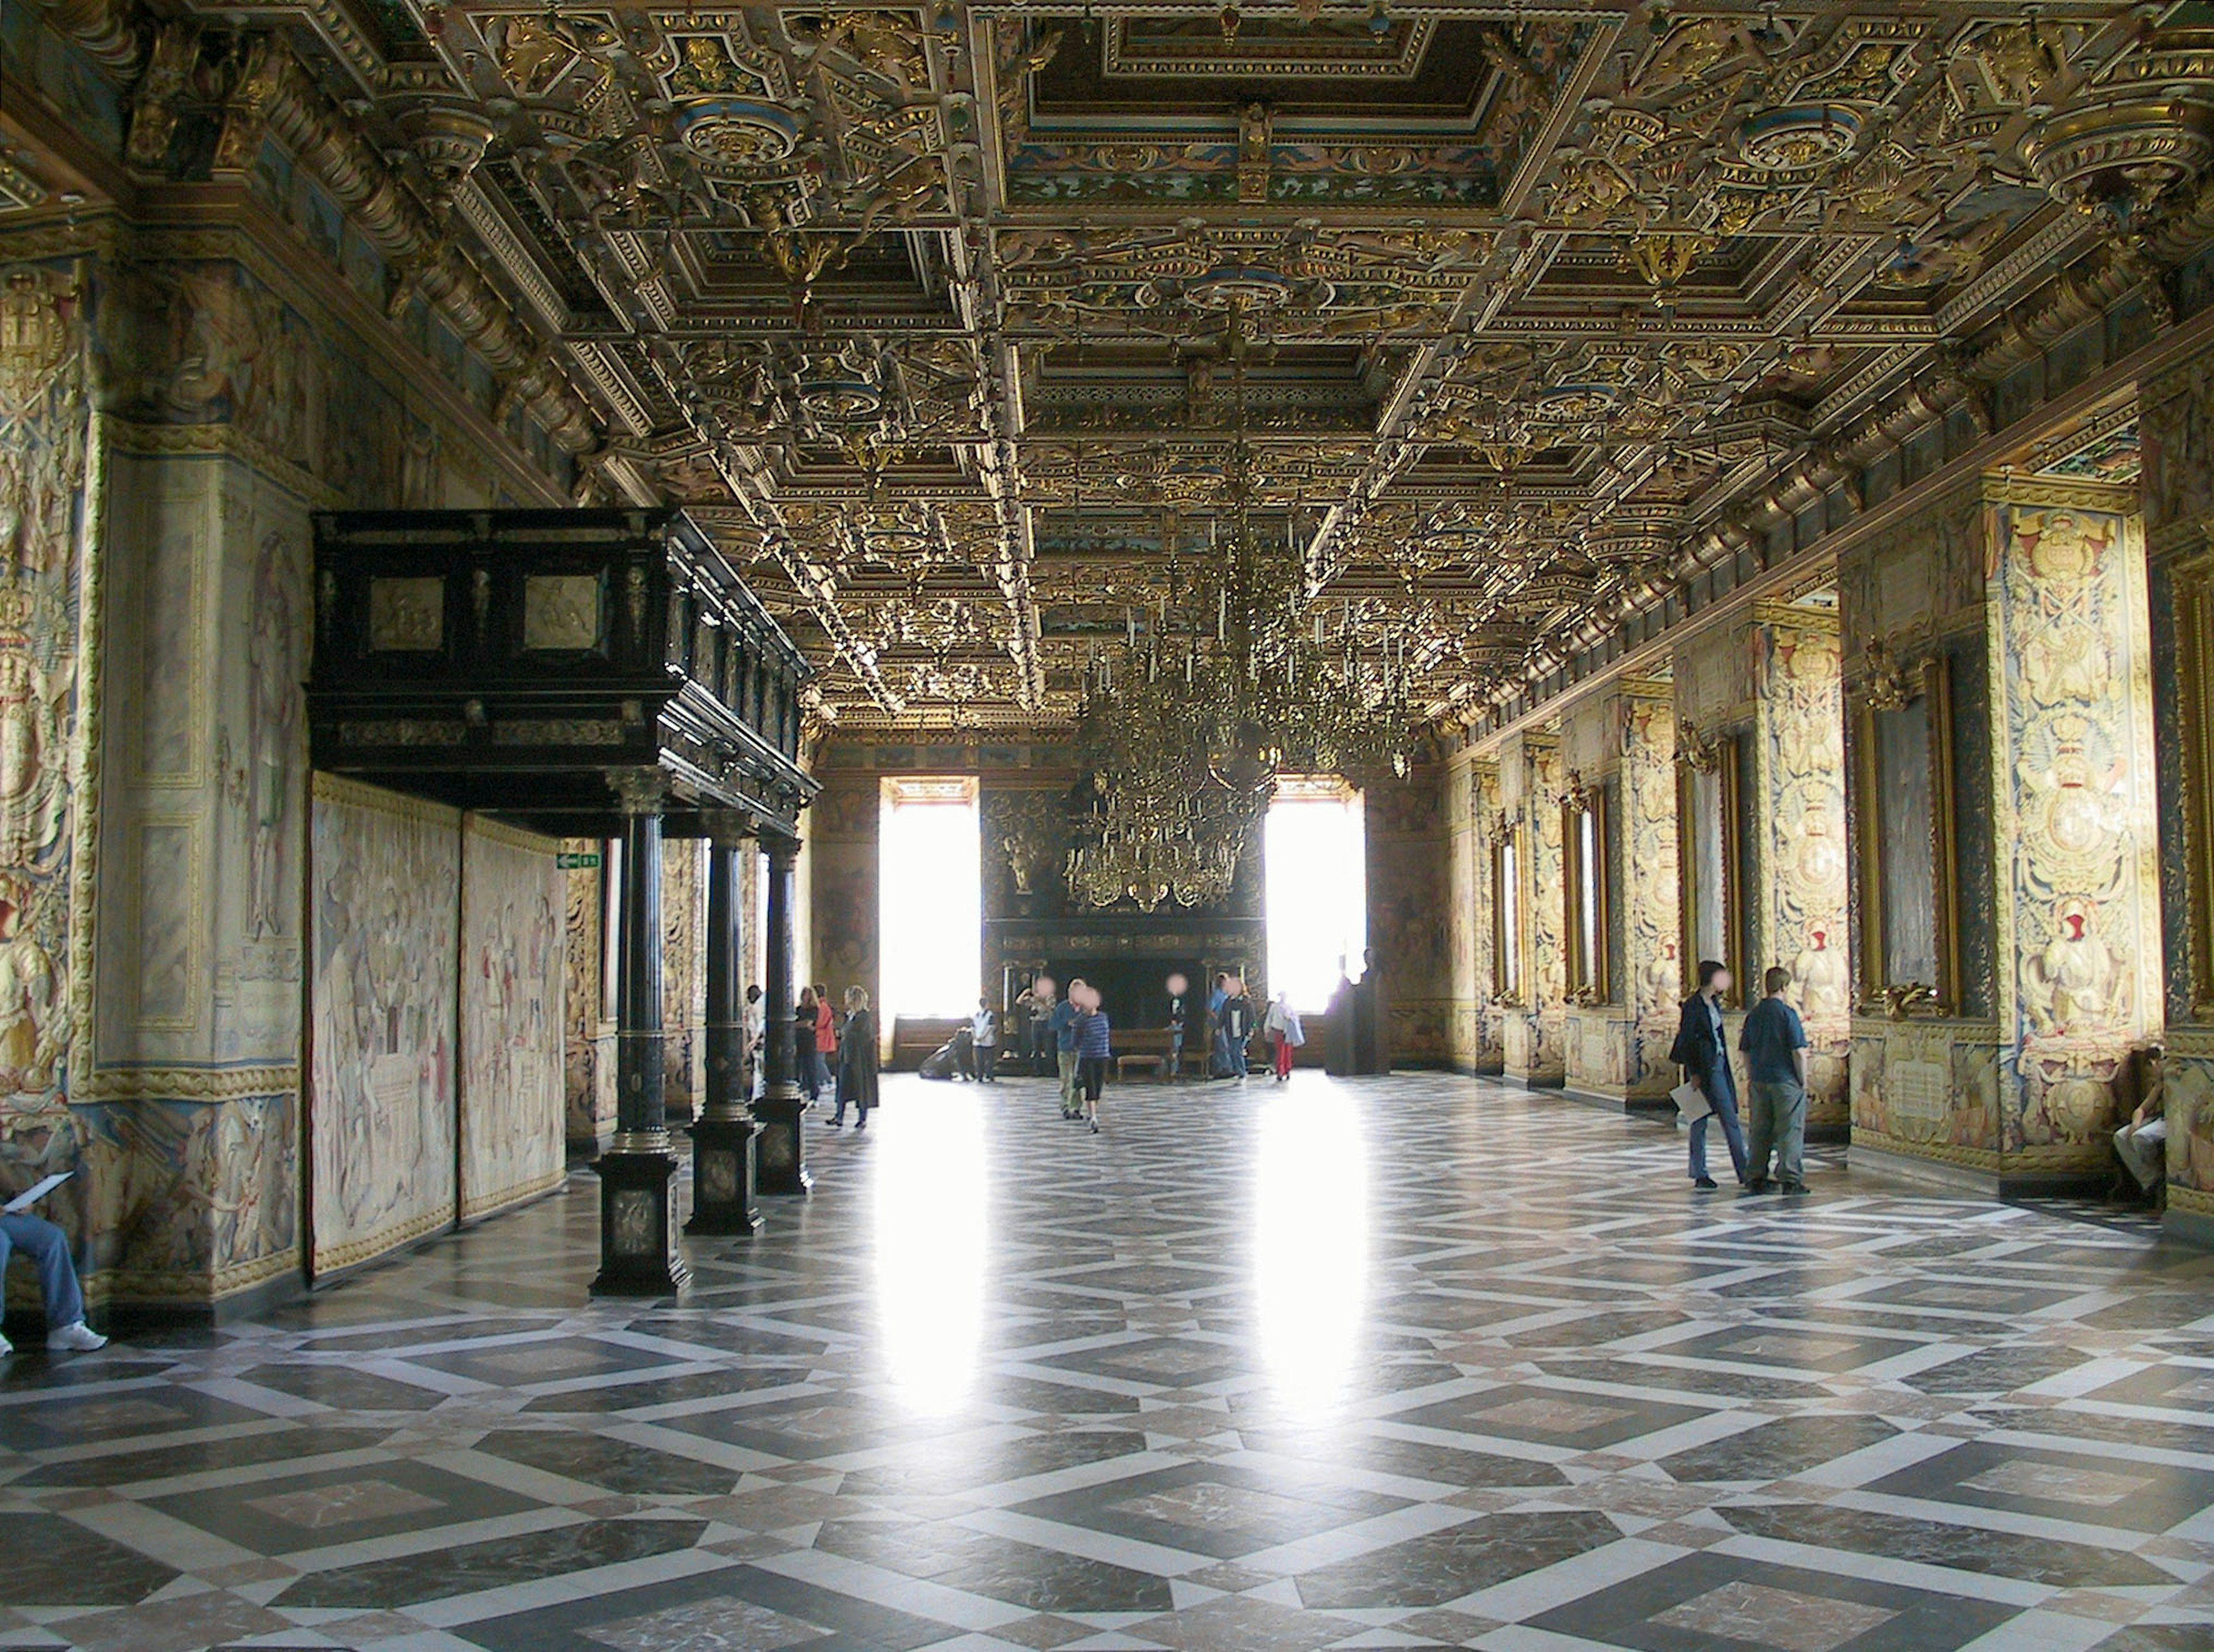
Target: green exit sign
<point>571,862</point>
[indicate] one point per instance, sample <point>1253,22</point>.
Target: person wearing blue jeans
<point>48,1248</point>
<point>1700,1050</point>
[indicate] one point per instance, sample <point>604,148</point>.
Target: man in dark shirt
<point>1700,1051</point>
<point>1775,1046</point>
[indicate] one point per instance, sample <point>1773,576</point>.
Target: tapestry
<point>384,938</point>
<point>512,995</point>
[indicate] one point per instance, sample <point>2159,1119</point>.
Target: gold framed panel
<point>2194,651</point>
<point>1586,898</point>
<point>1897,692</point>
<point>1700,758</point>
<point>1510,927</point>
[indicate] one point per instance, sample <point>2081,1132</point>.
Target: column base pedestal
<point>722,1179</point>
<point>780,1154</point>
<point>637,1226</point>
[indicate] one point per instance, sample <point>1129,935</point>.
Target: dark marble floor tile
<point>1209,1508</point>
<point>1778,1450</point>
<point>1995,1371</point>
<point>121,1414</point>
<point>49,1561</point>
<point>1569,1419</point>
<point>286,1443</point>
<point>1442,1567</point>
<point>1707,1601</point>
<point>1964,1548</point>
<point>473,1568</point>
<point>736,1609</point>
<point>541,1359</point>
<point>615,1465</point>
<point>2101,1491</point>
<point>342,1389</point>
<point>287,1514</point>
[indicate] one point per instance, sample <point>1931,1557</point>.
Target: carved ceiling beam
<point>323,140</point>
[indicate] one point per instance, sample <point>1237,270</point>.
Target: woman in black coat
<point>856,1060</point>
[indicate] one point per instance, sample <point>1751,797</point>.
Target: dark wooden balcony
<point>520,662</point>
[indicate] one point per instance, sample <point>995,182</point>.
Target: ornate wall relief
<point>2075,798</point>
<point>1653,973</point>
<point>1802,847</point>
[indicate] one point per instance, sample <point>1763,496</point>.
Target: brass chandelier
<point>1239,672</point>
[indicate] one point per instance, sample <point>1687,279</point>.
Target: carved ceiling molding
<point>954,321</point>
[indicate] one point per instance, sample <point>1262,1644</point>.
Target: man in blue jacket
<point>1065,1035</point>
<point>1700,1050</point>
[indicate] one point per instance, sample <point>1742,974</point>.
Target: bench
<point>1155,1065</point>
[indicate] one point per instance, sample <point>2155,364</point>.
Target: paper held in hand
<point>24,1201</point>
<point>1691,1101</point>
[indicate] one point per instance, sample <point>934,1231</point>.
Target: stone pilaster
<point>1534,1029</point>
<point>1796,911</point>
<point>2176,426</point>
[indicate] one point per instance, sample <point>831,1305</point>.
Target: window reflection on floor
<point>933,1222</point>
<point>1311,1242</point>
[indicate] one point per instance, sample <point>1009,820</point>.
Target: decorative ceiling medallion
<point>737,133</point>
<point>1243,287</point>
<point>2128,149</point>
<point>1798,137</point>
<point>840,400</point>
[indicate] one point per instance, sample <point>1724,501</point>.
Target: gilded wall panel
<point>1545,1053</point>
<point>385,939</point>
<point>514,965</point>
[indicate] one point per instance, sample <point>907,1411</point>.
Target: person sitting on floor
<point>47,1247</point>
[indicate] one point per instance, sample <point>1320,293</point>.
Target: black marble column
<point>782,1155</point>
<point>723,1140</point>
<point>638,1229</point>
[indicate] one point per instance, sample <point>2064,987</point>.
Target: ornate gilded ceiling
<point>953,322</point>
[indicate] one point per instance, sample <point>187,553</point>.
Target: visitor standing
<point>802,1045</point>
<point>1218,996</point>
<point>1774,1041</point>
<point>1064,1046</point>
<point>1238,1026</point>
<point>1094,1047</point>
<point>757,1042</point>
<point>1179,1007</point>
<point>1700,1050</point>
<point>984,1031</point>
<point>1284,1033</point>
<point>1041,995</point>
<point>856,1060</point>
<point>823,1040</point>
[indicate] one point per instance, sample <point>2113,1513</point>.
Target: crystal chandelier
<point>1239,672</point>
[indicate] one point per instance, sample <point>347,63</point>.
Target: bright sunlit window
<point>930,904</point>
<point>1315,857</point>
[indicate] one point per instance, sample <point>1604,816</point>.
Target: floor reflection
<point>1310,1242</point>
<point>931,1222</point>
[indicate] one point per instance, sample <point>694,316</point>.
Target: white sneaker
<point>6,1347</point>
<point>78,1338</point>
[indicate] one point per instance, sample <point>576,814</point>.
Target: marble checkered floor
<point>1414,1362</point>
